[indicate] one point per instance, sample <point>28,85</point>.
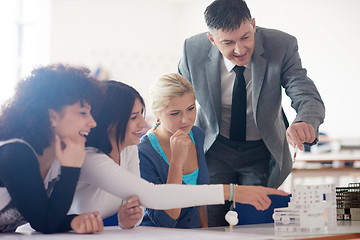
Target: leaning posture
<point>43,130</point>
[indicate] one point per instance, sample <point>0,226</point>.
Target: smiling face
<point>236,45</point>
<point>135,125</point>
<point>180,113</point>
<point>73,122</point>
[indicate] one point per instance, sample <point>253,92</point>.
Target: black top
<point>20,175</point>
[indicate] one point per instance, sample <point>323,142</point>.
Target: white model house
<point>312,208</point>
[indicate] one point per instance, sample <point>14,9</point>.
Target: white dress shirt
<point>227,83</point>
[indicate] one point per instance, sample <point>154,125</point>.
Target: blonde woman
<point>173,151</point>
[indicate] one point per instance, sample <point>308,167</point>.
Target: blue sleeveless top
<point>191,178</point>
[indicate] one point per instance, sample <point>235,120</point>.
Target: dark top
<point>154,169</point>
<point>20,180</point>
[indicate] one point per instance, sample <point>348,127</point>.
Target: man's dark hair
<point>226,14</point>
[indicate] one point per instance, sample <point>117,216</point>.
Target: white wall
<point>329,35</point>
<point>139,40</point>
<point>136,41</point>
<point>24,41</point>
<point>8,48</point>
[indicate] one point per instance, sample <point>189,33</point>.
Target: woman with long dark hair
<point>110,146</point>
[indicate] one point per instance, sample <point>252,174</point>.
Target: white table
<point>246,232</point>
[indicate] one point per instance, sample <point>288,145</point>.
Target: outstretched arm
<point>102,172</point>
<point>253,195</point>
<point>305,98</point>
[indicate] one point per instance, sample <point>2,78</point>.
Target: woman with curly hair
<point>43,131</point>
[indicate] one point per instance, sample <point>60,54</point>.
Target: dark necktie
<point>238,108</point>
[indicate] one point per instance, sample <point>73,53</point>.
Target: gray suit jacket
<point>275,64</point>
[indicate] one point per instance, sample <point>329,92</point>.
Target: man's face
<point>236,45</point>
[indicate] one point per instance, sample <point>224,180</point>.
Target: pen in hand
<point>295,152</point>
<point>296,148</point>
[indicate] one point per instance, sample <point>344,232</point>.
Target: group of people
<point>185,171</point>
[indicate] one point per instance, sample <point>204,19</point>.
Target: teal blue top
<point>154,168</point>
<point>190,178</point>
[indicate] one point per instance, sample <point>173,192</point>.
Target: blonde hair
<point>165,88</point>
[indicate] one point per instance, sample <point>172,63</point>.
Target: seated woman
<point>173,151</point>
<point>120,121</point>
<point>104,183</point>
<point>43,130</point>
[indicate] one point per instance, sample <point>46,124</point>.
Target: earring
<point>157,124</point>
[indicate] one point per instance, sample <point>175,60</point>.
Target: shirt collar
<point>230,65</point>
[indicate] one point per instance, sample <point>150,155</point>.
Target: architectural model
<point>348,202</point>
<point>312,208</point>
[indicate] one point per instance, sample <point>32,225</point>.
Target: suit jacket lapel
<point>258,68</point>
<point>213,75</point>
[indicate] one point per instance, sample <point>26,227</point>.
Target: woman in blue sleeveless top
<point>173,151</point>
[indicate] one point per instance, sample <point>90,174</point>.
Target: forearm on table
<point>203,218</point>
<point>174,177</point>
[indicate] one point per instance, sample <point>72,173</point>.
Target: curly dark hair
<point>113,111</point>
<point>226,14</point>
<point>26,114</point>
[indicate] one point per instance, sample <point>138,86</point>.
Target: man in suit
<point>272,62</point>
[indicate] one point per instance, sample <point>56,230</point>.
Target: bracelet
<point>233,205</point>
<point>234,195</point>
<point>231,192</point>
